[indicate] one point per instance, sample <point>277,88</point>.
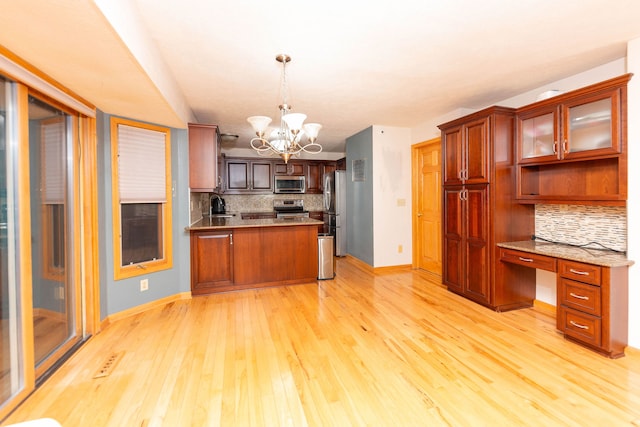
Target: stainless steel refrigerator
<point>335,208</point>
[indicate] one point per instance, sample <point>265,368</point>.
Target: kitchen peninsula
<point>230,253</point>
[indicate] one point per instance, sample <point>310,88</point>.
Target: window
<point>53,183</point>
<point>141,177</point>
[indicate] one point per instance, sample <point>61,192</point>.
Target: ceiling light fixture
<point>284,141</point>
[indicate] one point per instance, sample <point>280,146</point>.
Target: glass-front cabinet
<point>570,128</point>
<point>573,148</point>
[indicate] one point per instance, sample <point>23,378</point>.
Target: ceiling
<point>392,63</point>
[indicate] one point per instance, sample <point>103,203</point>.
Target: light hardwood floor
<point>385,349</point>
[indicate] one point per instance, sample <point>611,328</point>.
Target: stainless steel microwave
<point>288,184</point>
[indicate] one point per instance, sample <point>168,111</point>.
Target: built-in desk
<point>592,290</point>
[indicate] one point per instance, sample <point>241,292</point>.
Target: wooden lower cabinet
<point>593,306</point>
<point>592,300</point>
<point>253,257</point>
<point>211,261</point>
<point>466,241</point>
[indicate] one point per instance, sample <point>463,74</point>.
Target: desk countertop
<point>600,257</point>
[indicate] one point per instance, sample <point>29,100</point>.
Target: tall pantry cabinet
<point>480,210</point>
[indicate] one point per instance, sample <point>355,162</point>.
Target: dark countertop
<point>590,256</point>
<point>236,221</point>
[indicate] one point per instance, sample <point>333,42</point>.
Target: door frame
<point>415,195</point>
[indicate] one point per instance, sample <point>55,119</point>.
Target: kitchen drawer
<point>581,326</point>
<point>587,273</point>
<point>580,296</point>
<point>528,259</point>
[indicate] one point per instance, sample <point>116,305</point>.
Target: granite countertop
<point>236,221</point>
<point>600,257</point>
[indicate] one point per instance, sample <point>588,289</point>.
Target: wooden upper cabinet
<point>315,170</point>
<point>466,153</point>
<point>248,176</point>
<point>261,176</point>
<point>476,146</point>
<point>237,178</point>
<point>575,127</point>
<point>572,148</point>
<point>204,152</point>
<point>291,168</point>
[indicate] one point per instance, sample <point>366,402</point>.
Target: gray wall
<point>360,197</point>
<point>116,296</point>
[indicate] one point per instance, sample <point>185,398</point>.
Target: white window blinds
<point>141,165</point>
<point>53,161</point>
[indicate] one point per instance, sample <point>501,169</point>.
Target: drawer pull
<point>579,296</point>
<point>525,259</point>
<point>582,273</point>
<point>578,325</point>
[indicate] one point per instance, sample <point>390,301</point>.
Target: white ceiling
<point>355,63</point>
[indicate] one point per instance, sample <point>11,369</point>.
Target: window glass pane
<point>141,232</point>
<point>537,136</point>
<point>590,126</point>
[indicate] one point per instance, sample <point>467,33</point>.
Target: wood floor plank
<point>383,349</point>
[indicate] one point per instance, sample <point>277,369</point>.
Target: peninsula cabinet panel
<point>275,255</point>
<point>480,209</point>
<point>211,261</point>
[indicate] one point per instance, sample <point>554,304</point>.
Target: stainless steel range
<point>289,208</point>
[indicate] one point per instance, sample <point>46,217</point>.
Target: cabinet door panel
<point>591,126</point>
<point>203,157</point>
<point>212,260</point>
<point>261,176</point>
<point>452,156</point>
<point>452,257</point>
<point>539,135</point>
<point>477,233</point>
<point>237,175</point>
<point>476,140</point>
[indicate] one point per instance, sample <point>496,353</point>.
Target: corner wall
<point>391,182</point>
<point>360,197</point>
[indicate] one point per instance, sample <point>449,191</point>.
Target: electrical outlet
<point>144,285</point>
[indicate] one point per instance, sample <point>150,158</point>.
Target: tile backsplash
<point>583,225</point>
<point>250,202</point>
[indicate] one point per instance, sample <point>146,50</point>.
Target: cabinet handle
<point>578,325</point>
<point>466,174</point>
<point>461,175</point>
<point>466,194</point>
<point>555,147</point>
<point>231,239</point>
<point>525,259</point>
<point>565,146</point>
<point>586,298</point>
<point>582,273</point>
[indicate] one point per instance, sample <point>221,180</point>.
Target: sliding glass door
<point>56,326</point>
<point>41,261</point>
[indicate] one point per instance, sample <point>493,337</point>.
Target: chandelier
<point>286,140</point>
